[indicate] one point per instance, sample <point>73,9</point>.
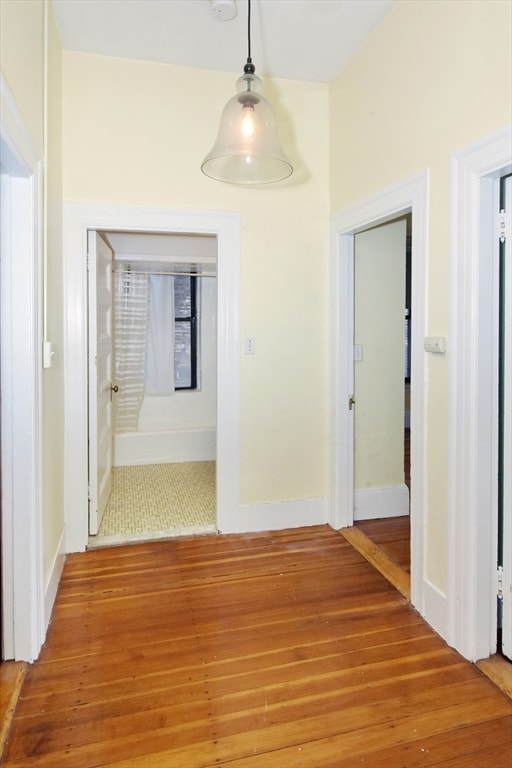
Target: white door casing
<point>100,259</point>
<point>411,196</point>
<point>225,226</point>
<point>472,531</point>
<point>506,644</point>
<point>24,617</point>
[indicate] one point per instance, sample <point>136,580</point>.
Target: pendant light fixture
<point>247,149</point>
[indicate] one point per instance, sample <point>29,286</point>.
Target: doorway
<point>225,227</point>
<point>380,372</point>
<point>152,385</point>
<point>472,567</point>
<point>409,198</point>
<point>382,390</point>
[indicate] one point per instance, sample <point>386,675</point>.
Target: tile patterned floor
<point>158,500</point>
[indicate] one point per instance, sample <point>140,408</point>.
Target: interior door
<point>505,398</point>
<point>100,258</point>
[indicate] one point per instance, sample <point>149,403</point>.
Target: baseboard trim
<point>276,515</point>
<point>52,584</point>
<point>374,503</point>
<point>435,609</point>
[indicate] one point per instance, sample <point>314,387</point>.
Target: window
<point>185,332</point>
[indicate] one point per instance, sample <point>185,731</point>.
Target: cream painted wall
<point>379,302</point>
<point>53,378</point>
<point>433,78</point>
<point>24,48</point>
<point>135,133</point>
<point>21,60</point>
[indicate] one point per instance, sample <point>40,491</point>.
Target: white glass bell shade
<point>247,149</point>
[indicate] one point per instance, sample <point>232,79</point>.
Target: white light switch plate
<point>249,345</point>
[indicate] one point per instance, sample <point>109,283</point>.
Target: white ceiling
<point>294,39</point>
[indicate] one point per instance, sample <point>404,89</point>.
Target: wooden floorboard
<point>380,558</point>
<point>249,651</point>
<point>385,543</point>
<point>12,675</point>
<point>392,535</point>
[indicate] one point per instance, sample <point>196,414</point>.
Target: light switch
<point>249,345</point>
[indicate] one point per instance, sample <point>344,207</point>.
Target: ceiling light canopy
<point>247,149</point>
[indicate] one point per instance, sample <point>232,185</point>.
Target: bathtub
<point>171,447</point>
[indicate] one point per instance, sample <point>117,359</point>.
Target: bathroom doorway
<point>152,385</point>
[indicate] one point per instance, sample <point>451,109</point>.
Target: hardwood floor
<point>393,536</point>
<point>275,650</point>
<point>12,675</point>
<point>385,543</point>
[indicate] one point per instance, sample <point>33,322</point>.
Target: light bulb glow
<point>247,122</point>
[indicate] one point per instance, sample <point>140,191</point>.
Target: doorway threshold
<point>120,539</point>
<point>499,670</point>
<point>382,562</point>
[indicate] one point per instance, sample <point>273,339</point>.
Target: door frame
<point>472,531</point>
<point>24,618</point>
<point>78,220</point>
<point>410,196</point>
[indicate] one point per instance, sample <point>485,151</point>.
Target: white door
<point>100,378</point>
<point>506,425</point>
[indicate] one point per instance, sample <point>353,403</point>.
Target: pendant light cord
<point>249,68</point>
<point>249,30</point>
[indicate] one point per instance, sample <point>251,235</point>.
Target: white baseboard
<point>435,609</point>
<point>52,584</point>
<point>138,448</point>
<point>275,515</point>
<point>373,503</point>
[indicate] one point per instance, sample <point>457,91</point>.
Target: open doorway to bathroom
<point>152,385</point>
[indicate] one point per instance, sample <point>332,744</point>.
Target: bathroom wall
<point>182,426</point>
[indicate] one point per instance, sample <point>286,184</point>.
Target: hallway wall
<point>433,78</point>
<point>109,104</point>
<point>25,49</point>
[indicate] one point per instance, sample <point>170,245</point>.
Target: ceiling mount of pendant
<point>223,10</point>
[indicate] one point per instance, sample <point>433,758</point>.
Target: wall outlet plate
<point>249,345</point>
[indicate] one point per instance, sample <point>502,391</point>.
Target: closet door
<point>100,378</point>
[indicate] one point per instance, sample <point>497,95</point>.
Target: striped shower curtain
<point>130,341</point>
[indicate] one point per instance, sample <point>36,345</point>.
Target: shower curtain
<point>160,350</point>
<point>130,337</point>
<point>143,342</point>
